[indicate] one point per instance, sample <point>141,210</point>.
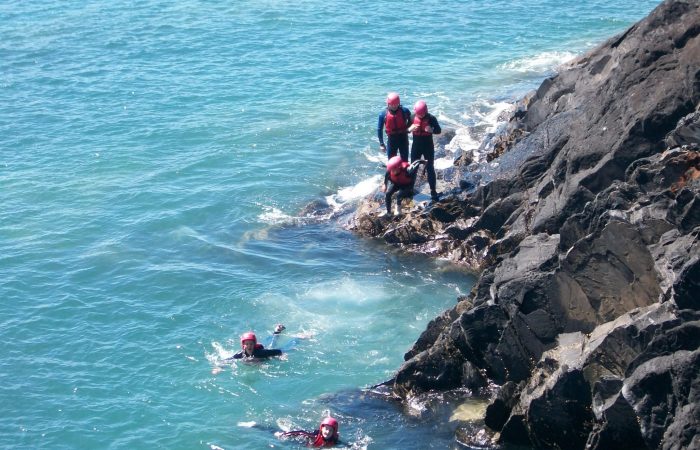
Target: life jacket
<point>395,122</point>
<point>422,123</point>
<point>402,178</point>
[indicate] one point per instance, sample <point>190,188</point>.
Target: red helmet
<point>331,422</point>
<point>392,99</point>
<point>420,108</point>
<point>249,336</point>
<point>394,163</point>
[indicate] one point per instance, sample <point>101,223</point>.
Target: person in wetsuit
<point>423,126</point>
<point>400,176</point>
<point>325,436</point>
<point>395,119</point>
<point>251,348</point>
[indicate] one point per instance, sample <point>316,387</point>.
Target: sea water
<point>154,160</point>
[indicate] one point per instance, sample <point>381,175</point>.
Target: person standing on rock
<point>400,176</point>
<point>423,126</point>
<point>395,119</point>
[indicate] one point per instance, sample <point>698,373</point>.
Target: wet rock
<point>687,285</point>
<point>618,426</point>
<point>665,397</point>
<point>687,131</point>
<point>499,409</point>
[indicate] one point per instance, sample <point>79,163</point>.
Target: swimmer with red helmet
<point>325,436</point>
<point>400,176</point>
<point>251,349</point>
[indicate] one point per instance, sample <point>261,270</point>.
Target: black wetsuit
<point>423,146</point>
<point>258,352</point>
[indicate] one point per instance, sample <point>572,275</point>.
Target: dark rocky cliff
<point>586,237</point>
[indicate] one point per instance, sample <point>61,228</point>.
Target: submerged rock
<point>585,231</point>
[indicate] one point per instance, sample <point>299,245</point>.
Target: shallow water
<point>154,157</point>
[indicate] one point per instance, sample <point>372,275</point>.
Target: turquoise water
<point>154,157</point>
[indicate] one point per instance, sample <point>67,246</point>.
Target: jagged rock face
<point>615,105</point>
<point>586,310</point>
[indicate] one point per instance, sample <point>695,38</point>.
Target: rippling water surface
<point>154,157</point>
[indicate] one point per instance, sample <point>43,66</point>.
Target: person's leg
<point>404,192</point>
<point>387,198</point>
<point>415,151</point>
<point>392,146</point>
<point>403,146</point>
<point>430,169</point>
<point>390,152</point>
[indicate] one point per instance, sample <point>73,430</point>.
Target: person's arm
<point>434,123</point>
<point>297,435</point>
<point>413,168</point>
<point>238,355</point>
<point>267,352</point>
<point>380,128</point>
<point>407,116</point>
<point>279,328</point>
<point>386,181</point>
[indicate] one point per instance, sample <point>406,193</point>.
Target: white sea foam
<point>374,155</point>
<point>492,114</point>
<point>463,140</point>
<point>443,163</point>
<point>542,62</point>
<point>220,353</point>
<point>275,216</point>
<point>346,290</point>
<point>354,193</point>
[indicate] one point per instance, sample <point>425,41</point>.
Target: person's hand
<point>382,147</point>
<point>384,188</point>
<point>279,328</point>
<point>412,127</point>
<point>428,129</point>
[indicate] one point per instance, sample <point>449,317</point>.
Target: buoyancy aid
<point>402,178</point>
<point>422,123</point>
<point>320,442</point>
<point>395,122</point>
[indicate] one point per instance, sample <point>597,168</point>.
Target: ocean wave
<point>353,193</point>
